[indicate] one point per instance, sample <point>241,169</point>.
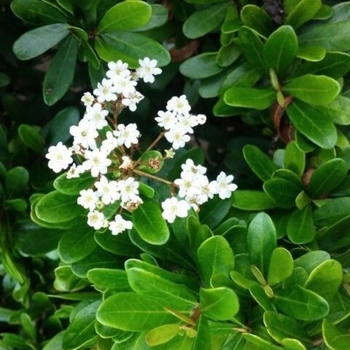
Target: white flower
<point>107,190</point>
<point>88,199</point>
<point>225,185</point>
<point>109,143</point>
<point>124,84</point>
<point>178,105</point>
<point>105,91</point>
<point>148,68</point>
<point>97,162</point>
<point>129,190</point>
<point>127,163</point>
<point>60,156</point>
<point>166,119</point>
<point>188,121</point>
<point>206,189</point>
<point>131,99</point>
<point>88,99</point>
<point>201,119</point>
<point>119,225</point>
<point>127,135</point>
<point>84,134</point>
<point>172,208</point>
<point>117,69</point>
<point>96,115</point>
<point>177,136</point>
<point>190,168</point>
<point>74,171</point>
<point>96,220</point>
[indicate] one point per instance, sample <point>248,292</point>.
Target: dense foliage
<point>267,267</point>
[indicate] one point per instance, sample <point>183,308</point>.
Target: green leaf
<point>127,15</point>
<point>203,339</point>
<point>313,89</point>
<point>149,223</point>
<point>37,12</point>
<point>313,123</point>
<point>259,162</point>
<point>81,329</point>
<point>327,177</point>
<point>31,137</point>
<point>162,334</point>
<point>200,66</point>
<point>281,266</point>
<point>281,49</point>
<point>249,97</point>
<point>256,18</point>
<point>303,12</point>
<point>104,278</point>
<point>294,159</point>
<point>60,73</point>
<point>258,293</point>
<point>336,338</point>
<point>310,53</point>
<point>214,257</point>
<point>218,303</point>
<point>37,41</point>
<point>261,240</point>
<point>326,279</point>
<point>67,281</point>
<point>72,187</point>
<point>252,200</point>
<point>4,80</point>
<point>135,312</point>
<point>301,304</point>
<point>311,260</point>
<point>332,211</point>
<point>56,207</point>
<point>227,55</point>
<point>159,17</point>
<point>204,21</point>
<point>301,228</point>
<point>130,47</point>
<point>280,327</point>
<point>338,110</point>
<point>214,211</point>
<point>16,182</point>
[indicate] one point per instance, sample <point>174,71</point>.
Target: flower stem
<point>157,178</point>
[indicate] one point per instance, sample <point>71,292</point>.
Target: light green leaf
<point>162,334</point>
<point>303,12</point>
<point>313,89</point>
<point>67,281</point>
<point>310,53</point>
<point>135,312</point>
<point>37,41</point>
<point>202,340</point>
<point>204,21</point>
<point>258,293</point>
<point>301,304</point>
<point>280,49</point>
<point>218,303</point>
<point>313,123</point>
<point>311,260</point>
<point>252,200</point>
<point>72,187</point>
<point>335,337</point>
<point>104,278</point>
<point>281,266</point>
<point>294,159</point>
<point>149,223</point>
<point>127,15</point>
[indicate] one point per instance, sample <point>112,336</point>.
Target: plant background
<point>290,160</point>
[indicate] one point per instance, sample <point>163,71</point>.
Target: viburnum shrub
<point>117,161</point>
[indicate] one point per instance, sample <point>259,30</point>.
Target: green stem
<point>143,173</point>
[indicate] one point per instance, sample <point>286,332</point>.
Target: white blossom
<point>172,208</point>
<point>148,69</point>
<point>88,199</point>
<point>225,185</point>
<point>84,134</point>
<point>127,135</point>
<point>97,162</point>
<point>109,143</point>
<point>166,119</point>
<point>105,91</point>
<point>96,115</point>
<point>129,190</point>
<point>60,157</point>
<point>96,220</point>
<point>178,105</point>
<point>127,163</point>
<point>119,225</point>
<point>124,84</point>
<point>177,136</point>
<point>117,69</point>
<point>88,99</point>
<point>131,99</point>
<point>107,190</point>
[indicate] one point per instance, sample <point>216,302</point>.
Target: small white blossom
<point>105,91</point>
<point>166,119</point>
<point>84,134</point>
<point>109,143</point>
<point>88,199</point>
<point>96,220</point>
<point>188,122</point>
<point>75,171</point>
<point>107,190</point>
<point>60,157</point>
<point>177,136</point>
<point>179,105</point>
<point>124,84</point>
<point>201,119</point>
<point>190,168</point>
<point>131,99</point>
<point>96,115</point>
<point>88,99</point>
<point>148,68</point>
<point>129,190</point>
<point>225,185</point>
<point>119,225</point>
<point>97,162</point>
<point>172,208</point>
<point>127,135</point>
<point>117,69</point>
<point>127,163</point>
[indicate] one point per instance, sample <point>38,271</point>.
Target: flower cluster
<point>106,149</point>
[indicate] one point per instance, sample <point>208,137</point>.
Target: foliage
<point>267,268</point>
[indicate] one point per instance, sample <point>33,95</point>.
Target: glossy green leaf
<point>327,177</point>
<point>56,207</point>
<point>159,17</point>
<point>39,40</point>
<point>135,312</point>
<point>313,123</point>
<point>201,66</point>
<point>16,182</point>
<point>202,340</point>
<point>300,227</point>
<point>289,176</point>
<point>60,73</point>
<point>312,54</point>
<point>280,327</point>
<point>81,329</point>
<point>204,21</point>
<point>326,279</point>
<point>335,337</point>
<point>313,89</point>
<point>261,240</point>
<point>214,257</point>
<point>252,48</point>
<point>281,266</point>
<point>196,233</point>
<point>338,110</point>
<point>332,211</point>
<point>103,278</point>
<point>281,49</point>
<point>130,47</point>
<point>73,186</point>
<point>259,162</point>
<point>31,137</point>
<point>256,18</point>
<point>249,97</point>
<point>67,281</point>
<point>301,304</point>
<point>303,12</point>
<point>227,55</point>
<point>218,303</point>
<point>258,343</point>
<point>37,12</point>
<point>162,334</point>
<point>282,191</point>
<point>294,159</point>
<point>252,200</point>
<point>127,15</point>
<point>311,260</point>
<point>214,211</point>
<point>149,223</point>
<point>258,293</point>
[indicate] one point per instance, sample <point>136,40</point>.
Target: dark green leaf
<point>256,18</point>
<point>294,159</point>
<point>4,80</point>
<point>16,182</point>
<point>303,12</point>
<point>67,281</point>
<point>159,17</point>
<point>103,278</point>
<point>214,211</point>
<point>332,211</point>
<point>37,41</point>
<point>72,187</point>
<point>227,55</point>
<point>31,137</point>
<point>310,53</point>
<point>252,200</point>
